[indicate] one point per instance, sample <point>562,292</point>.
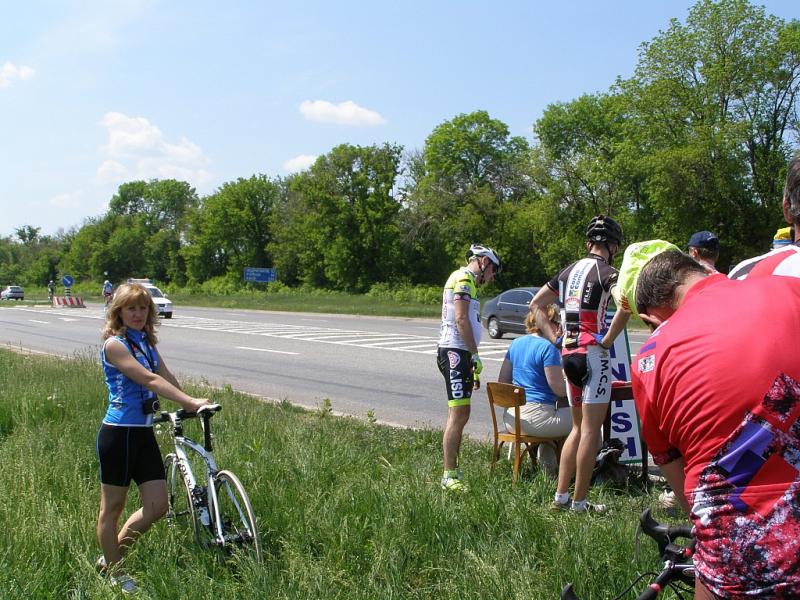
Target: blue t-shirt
<point>125,396</point>
<point>529,355</point>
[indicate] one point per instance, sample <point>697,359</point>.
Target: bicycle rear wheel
<point>236,514</point>
<point>182,509</point>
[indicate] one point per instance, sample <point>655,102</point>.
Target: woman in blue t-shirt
<point>533,363</point>
<point>127,449</point>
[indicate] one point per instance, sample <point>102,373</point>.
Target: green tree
<point>339,220</point>
<point>232,229</point>
<point>714,102</point>
<point>469,168</point>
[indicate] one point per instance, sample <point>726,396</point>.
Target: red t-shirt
<point>719,385</point>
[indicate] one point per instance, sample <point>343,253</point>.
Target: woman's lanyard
<point>142,352</point>
<point>146,357</point>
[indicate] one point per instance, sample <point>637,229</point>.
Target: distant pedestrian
<point>457,358</point>
<point>704,248</point>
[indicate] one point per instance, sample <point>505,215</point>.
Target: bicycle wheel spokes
<point>236,514</point>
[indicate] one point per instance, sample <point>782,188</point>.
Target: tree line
<point>698,138</point>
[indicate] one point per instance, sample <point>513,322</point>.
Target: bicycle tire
<point>236,514</point>
<point>181,507</point>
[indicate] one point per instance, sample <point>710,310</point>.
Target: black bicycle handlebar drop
<point>664,535</point>
<point>677,558</point>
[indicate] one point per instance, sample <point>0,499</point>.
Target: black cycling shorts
<point>127,453</point>
<point>456,366</point>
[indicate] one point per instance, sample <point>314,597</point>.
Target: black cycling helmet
<point>479,250</point>
<point>604,229</point>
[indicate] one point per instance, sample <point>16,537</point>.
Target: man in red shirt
<point>717,387</point>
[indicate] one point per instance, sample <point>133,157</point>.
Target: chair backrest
<point>506,395</point>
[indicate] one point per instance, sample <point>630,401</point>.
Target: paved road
<point>361,364</point>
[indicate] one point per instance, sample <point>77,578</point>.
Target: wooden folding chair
<point>507,395</point>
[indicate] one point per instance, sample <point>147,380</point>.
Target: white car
<point>12,292</point>
<point>163,304</point>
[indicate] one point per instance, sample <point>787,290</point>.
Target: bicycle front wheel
<point>235,513</point>
<point>182,510</point>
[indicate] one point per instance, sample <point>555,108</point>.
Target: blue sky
<point>93,94</point>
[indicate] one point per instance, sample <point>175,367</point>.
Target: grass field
<point>347,508</point>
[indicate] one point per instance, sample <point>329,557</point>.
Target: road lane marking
<point>42,322</point>
<point>264,350</point>
<point>67,319</point>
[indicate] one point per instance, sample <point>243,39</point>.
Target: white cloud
<point>344,113</point>
<point>111,171</point>
<point>9,73</point>
<point>67,200</point>
<point>129,136</point>
<point>137,149</point>
<point>299,163</point>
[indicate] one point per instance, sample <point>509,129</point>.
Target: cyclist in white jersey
<point>457,358</point>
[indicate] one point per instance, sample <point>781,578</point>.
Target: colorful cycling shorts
<point>589,377</point>
<point>456,367</point>
<point>127,453</point>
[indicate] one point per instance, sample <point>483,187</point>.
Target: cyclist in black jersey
<point>582,291</point>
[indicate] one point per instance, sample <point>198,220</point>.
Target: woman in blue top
<point>533,363</point>
<point>127,449</point>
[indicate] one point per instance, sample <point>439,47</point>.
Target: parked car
<point>163,304</point>
<point>12,292</point>
<point>506,312</point>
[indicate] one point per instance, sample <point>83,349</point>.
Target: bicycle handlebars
<point>207,410</point>
<point>205,413</point>
<point>677,559</point>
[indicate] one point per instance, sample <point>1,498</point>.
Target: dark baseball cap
<point>703,239</point>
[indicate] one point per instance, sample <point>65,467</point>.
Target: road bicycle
<point>216,504</point>
<point>678,571</point>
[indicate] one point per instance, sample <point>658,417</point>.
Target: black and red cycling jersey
<point>584,289</point>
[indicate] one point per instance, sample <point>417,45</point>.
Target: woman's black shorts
<point>127,453</point>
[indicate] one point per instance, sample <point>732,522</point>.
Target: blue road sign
<point>260,275</point>
<point>67,281</point>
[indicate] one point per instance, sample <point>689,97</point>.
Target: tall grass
<point>347,508</point>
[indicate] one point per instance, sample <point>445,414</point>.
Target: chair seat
<point>526,439</point>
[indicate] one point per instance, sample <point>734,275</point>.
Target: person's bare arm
<point>119,356</point>
<point>544,298</point>
<point>506,372</point>
<point>463,323</point>
<point>555,379</point>
<point>618,323</point>
<point>675,476</point>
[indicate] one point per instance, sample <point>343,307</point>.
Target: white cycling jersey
<point>461,284</point>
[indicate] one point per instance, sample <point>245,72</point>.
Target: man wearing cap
<point>784,259</point>
<point>704,248</point>
<point>719,403</point>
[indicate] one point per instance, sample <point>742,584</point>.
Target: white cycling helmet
<point>479,250</point>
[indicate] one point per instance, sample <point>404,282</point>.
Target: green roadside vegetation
<point>348,508</point>
<point>399,301</point>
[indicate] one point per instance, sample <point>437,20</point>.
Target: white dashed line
<point>264,350</point>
